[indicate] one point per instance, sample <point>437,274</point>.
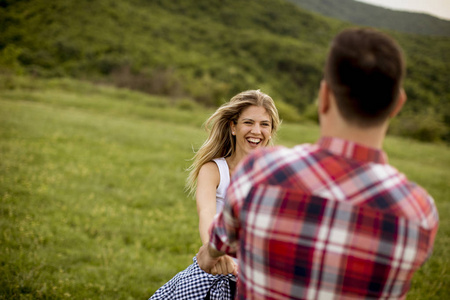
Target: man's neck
<point>332,123</point>
<point>371,137</point>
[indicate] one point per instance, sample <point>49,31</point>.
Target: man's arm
<point>207,259</point>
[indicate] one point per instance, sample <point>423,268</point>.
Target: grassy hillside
<point>91,191</point>
<point>369,15</point>
<point>208,51</point>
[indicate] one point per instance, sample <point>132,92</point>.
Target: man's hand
<point>225,265</point>
<point>207,258</point>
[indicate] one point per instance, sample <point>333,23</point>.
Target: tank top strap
<point>223,185</point>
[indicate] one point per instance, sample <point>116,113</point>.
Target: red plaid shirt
<point>326,221</point>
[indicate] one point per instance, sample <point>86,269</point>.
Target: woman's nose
<point>256,129</point>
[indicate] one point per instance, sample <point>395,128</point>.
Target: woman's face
<point>253,129</point>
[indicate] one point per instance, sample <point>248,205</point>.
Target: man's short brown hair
<point>364,70</point>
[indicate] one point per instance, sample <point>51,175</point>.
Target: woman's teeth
<point>254,141</point>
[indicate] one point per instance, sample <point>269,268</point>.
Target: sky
<point>437,8</point>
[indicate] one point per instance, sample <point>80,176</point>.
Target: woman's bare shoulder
<point>210,168</point>
<point>209,172</point>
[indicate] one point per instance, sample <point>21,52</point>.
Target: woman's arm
<point>207,183</point>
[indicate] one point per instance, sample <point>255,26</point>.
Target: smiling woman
<point>247,122</point>
<point>221,141</point>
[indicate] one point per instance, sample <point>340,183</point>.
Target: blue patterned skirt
<point>194,283</point>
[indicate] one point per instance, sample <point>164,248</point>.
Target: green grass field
<point>92,191</point>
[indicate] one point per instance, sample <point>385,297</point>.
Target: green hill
<point>369,15</point>
<point>208,51</point>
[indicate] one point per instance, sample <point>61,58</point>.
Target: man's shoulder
<point>407,185</point>
<point>424,203</point>
<point>393,192</point>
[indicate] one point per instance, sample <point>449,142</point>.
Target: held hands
<point>225,265</point>
<point>214,262</point>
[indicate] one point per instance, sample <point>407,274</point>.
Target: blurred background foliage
<point>209,50</point>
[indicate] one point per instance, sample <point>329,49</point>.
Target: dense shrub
<point>427,126</point>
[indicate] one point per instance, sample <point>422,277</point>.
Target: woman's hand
<point>225,265</point>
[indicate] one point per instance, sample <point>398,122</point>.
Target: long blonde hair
<point>220,141</point>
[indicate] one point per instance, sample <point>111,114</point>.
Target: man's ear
<point>324,97</point>
<point>401,99</point>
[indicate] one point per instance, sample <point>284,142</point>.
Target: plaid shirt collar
<point>351,150</point>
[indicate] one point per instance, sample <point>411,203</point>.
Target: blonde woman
<point>247,122</point>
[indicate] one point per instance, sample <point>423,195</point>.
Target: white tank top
<point>223,183</point>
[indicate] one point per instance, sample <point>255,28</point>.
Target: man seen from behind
<point>331,220</point>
